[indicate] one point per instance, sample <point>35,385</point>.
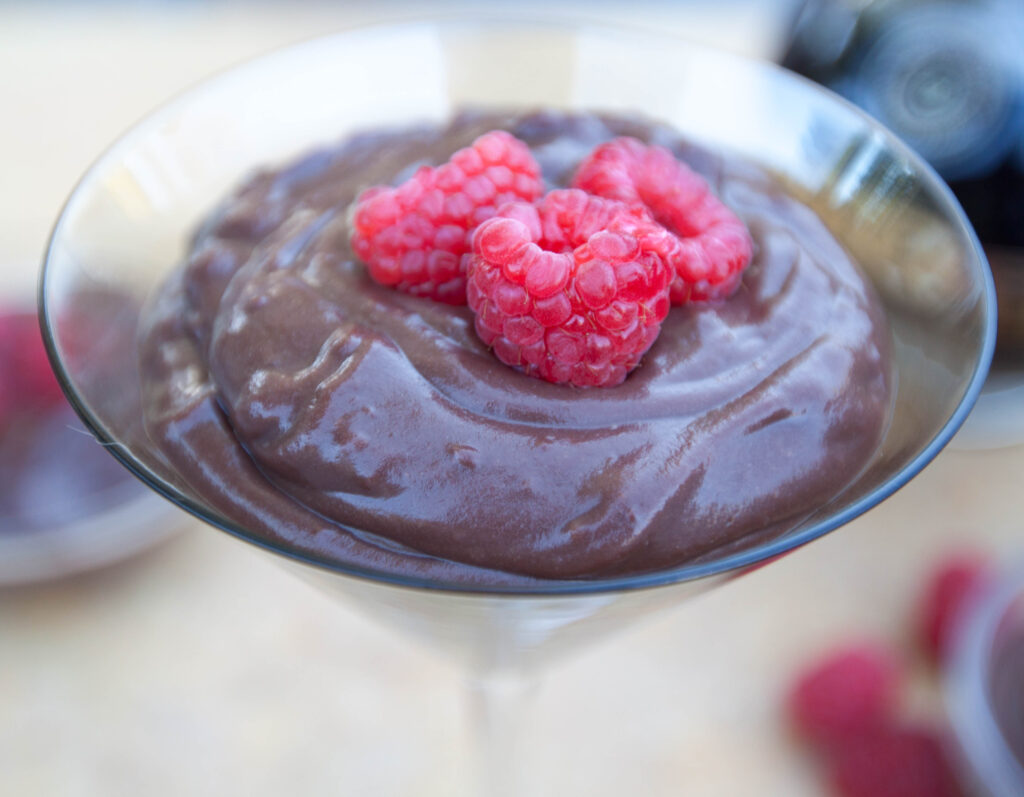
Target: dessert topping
<point>710,245</point>
<point>413,237</point>
<point>571,288</point>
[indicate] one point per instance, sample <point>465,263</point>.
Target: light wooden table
<point>203,669</point>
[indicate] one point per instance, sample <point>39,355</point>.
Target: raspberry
<point>414,237</point>
<point>710,246</point>
<point>896,761</point>
<point>949,589</point>
<point>27,382</point>
<point>850,691</point>
<point>569,289</point>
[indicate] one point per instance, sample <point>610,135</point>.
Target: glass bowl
<point>128,223</point>
<point>60,522</point>
<point>129,524</point>
<point>984,688</point>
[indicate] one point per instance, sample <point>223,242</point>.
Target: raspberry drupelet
<point>710,245</point>
<point>414,237</point>
<point>571,288</point>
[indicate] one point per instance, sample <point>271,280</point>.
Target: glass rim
<point>579,587</point>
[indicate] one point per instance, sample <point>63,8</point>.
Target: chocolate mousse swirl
<point>353,422</point>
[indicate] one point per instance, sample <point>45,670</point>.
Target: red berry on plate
<point>710,246</point>
<point>569,289</point>
<point>848,692</point>
<point>892,762</point>
<point>950,588</point>
<point>413,237</point>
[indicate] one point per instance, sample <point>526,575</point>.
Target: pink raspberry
<point>569,289</point>
<point>710,246</point>
<point>848,692</point>
<point>895,761</point>
<point>413,237</point>
<point>949,589</point>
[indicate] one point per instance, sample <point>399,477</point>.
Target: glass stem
<point>499,706</point>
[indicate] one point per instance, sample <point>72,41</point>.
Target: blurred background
<point>196,666</point>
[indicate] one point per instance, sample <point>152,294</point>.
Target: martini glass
<point>128,223</point>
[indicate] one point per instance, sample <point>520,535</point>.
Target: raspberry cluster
<point>414,237</point>
<point>709,247</point>
<point>571,287</point>
<point>847,704</point>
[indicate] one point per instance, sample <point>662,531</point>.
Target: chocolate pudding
<point>353,423</point>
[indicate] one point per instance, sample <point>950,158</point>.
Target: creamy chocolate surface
<point>355,423</point>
